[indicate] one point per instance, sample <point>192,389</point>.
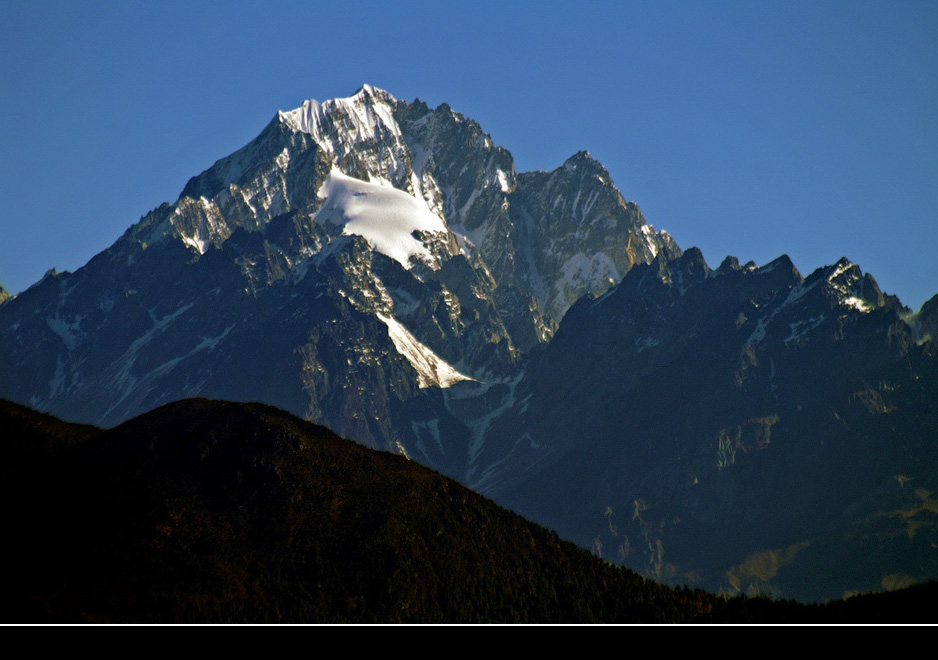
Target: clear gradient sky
<point>745,128</point>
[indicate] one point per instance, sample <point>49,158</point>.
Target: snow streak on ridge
<point>432,370</point>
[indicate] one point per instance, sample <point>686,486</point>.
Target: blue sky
<point>745,128</point>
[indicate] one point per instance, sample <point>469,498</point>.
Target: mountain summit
<point>357,256</point>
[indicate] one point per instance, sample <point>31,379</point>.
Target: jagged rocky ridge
<point>747,428</point>
<point>379,267</point>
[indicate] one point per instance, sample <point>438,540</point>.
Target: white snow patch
<point>432,370</point>
<point>797,293</point>
<point>404,303</point>
<point>57,383</point>
<point>801,328</point>
<point>857,303</point>
<point>382,215</point>
<point>842,267</point>
<point>597,268</point>
<point>759,333</point>
<point>207,343</point>
<point>419,157</point>
<point>773,386</point>
<point>576,200</point>
<point>849,275</point>
<point>480,426</point>
<point>363,118</point>
<point>123,380</point>
<point>649,233</point>
<point>580,274</point>
<point>769,267</point>
<point>588,205</point>
<point>69,333</point>
<point>473,196</point>
<point>305,119</point>
<point>431,428</point>
<point>469,240</point>
<point>209,221</point>
<point>645,343</point>
<point>503,181</point>
<point>196,242</point>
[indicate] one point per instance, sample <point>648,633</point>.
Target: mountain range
<point>380,268</point>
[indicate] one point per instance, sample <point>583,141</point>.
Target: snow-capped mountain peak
<point>353,210</point>
<point>852,288</point>
<point>364,115</point>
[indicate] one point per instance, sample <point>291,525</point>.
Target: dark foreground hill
<point>206,511</point>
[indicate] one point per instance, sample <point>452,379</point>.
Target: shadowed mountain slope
<point>745,429</point>
<point>206,511</point>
